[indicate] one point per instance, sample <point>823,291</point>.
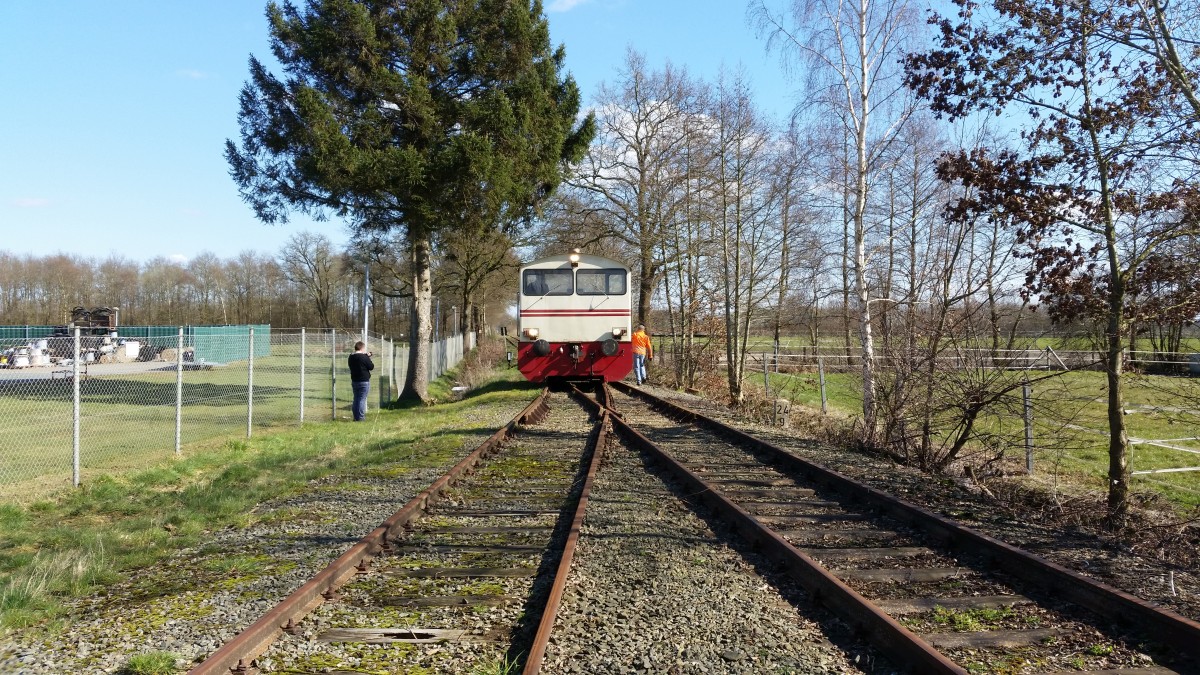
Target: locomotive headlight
<point>531,333</point>
<point>618,331</point>
<point>574,257</point>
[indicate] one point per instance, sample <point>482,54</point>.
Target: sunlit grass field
<point>763,343</point>
<point>1070,424</point>
<point>129,420</point>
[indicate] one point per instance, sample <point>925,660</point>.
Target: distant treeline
<point>307,283</point>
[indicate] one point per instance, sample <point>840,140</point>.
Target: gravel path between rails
<point>653,589</point>
<point>176,608</point>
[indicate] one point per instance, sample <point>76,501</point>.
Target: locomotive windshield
<point>600,282</point>
<point>547,282</point>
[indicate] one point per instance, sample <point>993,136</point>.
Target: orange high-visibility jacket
<point>641,344</point>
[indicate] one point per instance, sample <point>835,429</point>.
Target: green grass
<point>78,540</point>
<point>496,665</point>
<point>152,663</point>
<point>127,418</point>
<point>1070,424</point>
<point>766,343</point>
<point>127,421</point>
<point>843,391</point>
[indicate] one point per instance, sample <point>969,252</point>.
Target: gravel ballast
<point>653,589</point>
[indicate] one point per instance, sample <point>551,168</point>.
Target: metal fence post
<point>390,355</point>
<point>75,478</point>
<point>302,344</point>
<point>250,386</point>
<point>766,373</point>
<point>821,379</point>
<point>333,374</point>
<point>179,392</point>
<point>1027,396</point>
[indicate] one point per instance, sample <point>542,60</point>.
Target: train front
<point>574,319</point>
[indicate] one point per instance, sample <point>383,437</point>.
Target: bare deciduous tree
<point>851,49</point>
<point>1102,181</point>
<point>309,261</point>
<point>746,219</point>
<point>629,184</point>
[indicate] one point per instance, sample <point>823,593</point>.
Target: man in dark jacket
<point>360,378</point>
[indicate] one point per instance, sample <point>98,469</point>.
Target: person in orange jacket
<point>643,351</point>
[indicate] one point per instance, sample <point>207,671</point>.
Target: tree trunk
<point>1118,434</point>
<point>416,382</point>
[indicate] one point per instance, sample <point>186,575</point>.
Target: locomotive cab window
<point>600,282</point>
<point>547,282</point>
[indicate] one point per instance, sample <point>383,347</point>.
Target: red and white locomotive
<point>574,319</point>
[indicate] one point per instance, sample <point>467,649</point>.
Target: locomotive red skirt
<point>574,319</point>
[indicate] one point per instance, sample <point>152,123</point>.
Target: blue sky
<point>113,116</point>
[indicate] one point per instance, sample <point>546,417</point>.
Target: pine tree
<point>424,116</point>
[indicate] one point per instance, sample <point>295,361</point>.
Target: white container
<point>132,348</point>
<point>89,357</point>
<point>43,345</point>
<point>19,361</point>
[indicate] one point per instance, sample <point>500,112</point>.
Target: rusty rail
<point>595,451</point>
<point>237,655</point>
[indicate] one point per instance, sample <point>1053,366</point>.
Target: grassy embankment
<point>81,539</point>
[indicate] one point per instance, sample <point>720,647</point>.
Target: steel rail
<point>594,452</point>
<point>237,656</point>
<point>1164,625</point>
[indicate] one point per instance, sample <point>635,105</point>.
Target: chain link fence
<point>79,405</point>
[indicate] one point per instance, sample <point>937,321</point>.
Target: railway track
<point>471,573</point>
<point>462,577</point>
<point>934,596</point>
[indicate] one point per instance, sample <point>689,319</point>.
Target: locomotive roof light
<point>574,257</point>
<point>531,333</point>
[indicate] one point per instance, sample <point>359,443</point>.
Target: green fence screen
<point>216,344</point>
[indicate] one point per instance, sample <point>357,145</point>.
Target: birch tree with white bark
<point>849,53</point>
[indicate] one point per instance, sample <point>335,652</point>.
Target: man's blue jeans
<point>639,367</point>
<point>361,389</point>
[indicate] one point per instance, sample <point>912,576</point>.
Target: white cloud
<point>30,202</point>
<point>192,74</point>
<point>178,258</point>
<point>564,5</point>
